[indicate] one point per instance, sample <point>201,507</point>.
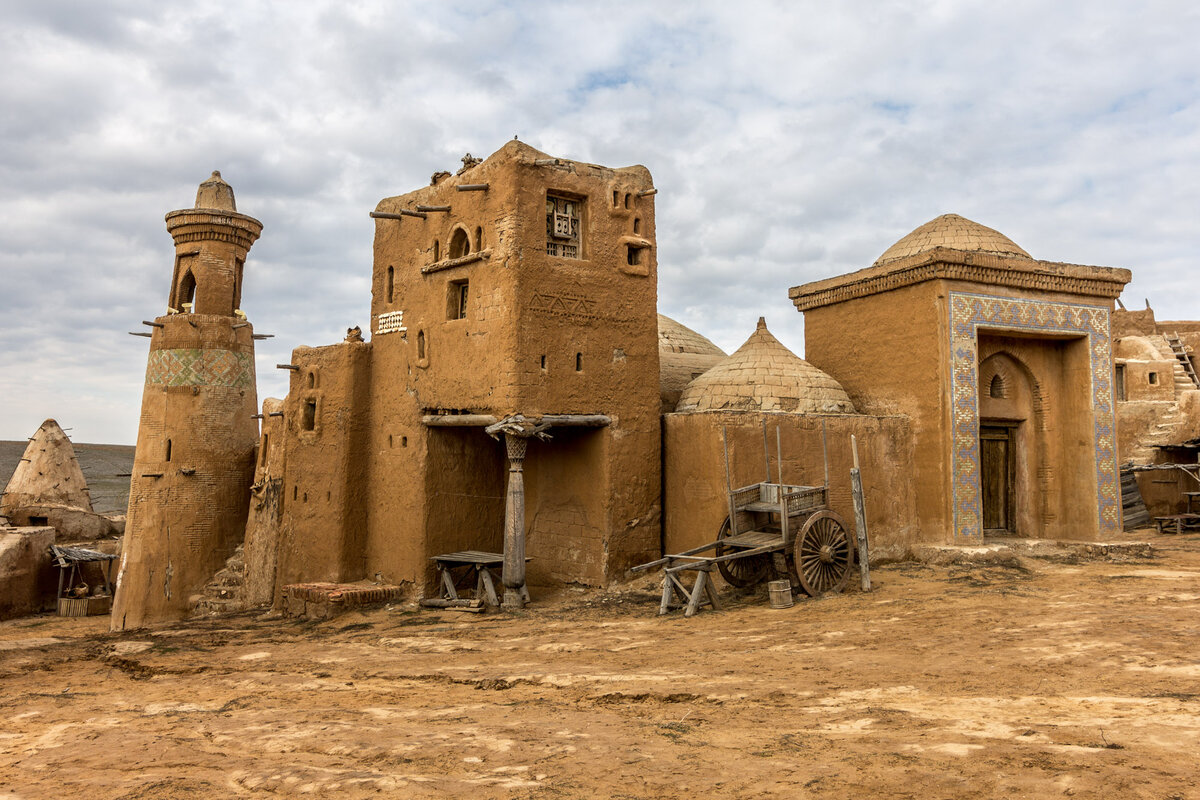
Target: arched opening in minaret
<point>187,292</point>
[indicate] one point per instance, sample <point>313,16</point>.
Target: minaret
<point>194,464</point>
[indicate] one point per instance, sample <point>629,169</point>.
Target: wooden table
<point>478,562</point>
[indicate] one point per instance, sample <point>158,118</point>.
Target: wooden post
<point>515,592</point>
<point>860,519</point>
<point>733,529</point>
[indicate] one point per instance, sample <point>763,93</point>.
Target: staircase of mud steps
<point>224,592</point>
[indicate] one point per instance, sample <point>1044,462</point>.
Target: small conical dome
<point>763,375</point>
<point>48,473</point>
<point>953,232</point>
<point>683,355</point>
<point>216,194</point>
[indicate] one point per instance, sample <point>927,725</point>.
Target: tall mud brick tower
<point>197,435</point>
<point>510,387</point>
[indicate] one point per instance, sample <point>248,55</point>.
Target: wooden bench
<point>1176,521</point>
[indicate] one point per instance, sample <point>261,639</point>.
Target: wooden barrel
<point>781,593</point>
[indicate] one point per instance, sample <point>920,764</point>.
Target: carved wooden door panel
<point>996,478</point>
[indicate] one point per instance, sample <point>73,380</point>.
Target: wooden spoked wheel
<point>740,572</point>
<point>822,554</point>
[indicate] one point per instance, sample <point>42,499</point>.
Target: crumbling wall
<point>29,580</point>
<point>265,521</point>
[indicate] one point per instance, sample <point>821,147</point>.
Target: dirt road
<point>1039,678</point>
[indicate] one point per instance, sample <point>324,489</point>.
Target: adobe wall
<point>188,506</point>
<point>889,352</point>
<point>264,524</point>
<point>396,455</point>
<point>694,499</point>
<point>1133,323</point>
<point>328,421</point>
<point>27,578</point>
<point>570,507</point>
<point>464,485</point>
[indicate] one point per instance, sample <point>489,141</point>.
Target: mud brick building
<point>523,286</point>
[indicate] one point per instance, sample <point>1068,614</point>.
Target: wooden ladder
<point>1181,353</point>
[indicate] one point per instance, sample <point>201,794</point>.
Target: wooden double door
<point>997,476</point>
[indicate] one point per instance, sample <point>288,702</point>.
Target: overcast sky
<point>789,142</point>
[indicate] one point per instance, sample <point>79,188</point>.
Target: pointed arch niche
<point>1011,444</point>
<point>1051,364</point>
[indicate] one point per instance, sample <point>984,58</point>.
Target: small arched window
<point>460,244</point>
<point>168,450</point>
<point>420,344</point>
<point>997,388</point>
<point>391,283</point>
<point>478,238</point>
<point>187,291</point>
<point>437,250</point>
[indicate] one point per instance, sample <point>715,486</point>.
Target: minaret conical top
<point>215,193</point>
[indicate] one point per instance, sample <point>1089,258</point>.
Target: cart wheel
<point>741,572</point>
<point>822,554</point>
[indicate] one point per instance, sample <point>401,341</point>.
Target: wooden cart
<point>773,529</point>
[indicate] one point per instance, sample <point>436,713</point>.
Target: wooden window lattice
<point>562,227</point>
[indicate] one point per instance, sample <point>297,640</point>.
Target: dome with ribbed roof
<point>676,338</point>
<point>763,375</point>
<point>683,355</point>
<point>953,232</point>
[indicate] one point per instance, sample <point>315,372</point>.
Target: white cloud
<point>789,141</point>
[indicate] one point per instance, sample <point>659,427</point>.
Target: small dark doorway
<point>997,472</point>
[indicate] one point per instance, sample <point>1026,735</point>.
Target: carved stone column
<point>515,592</point>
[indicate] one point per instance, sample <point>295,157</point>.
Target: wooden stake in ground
<point>860,518</point>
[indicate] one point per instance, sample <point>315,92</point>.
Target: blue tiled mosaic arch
<point>968,313</point>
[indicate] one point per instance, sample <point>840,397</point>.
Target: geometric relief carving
<point>566,305</point>
<point>196,367</point>
<point>968,313</point>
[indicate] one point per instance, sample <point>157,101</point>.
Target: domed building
<point>773,412</point>
<point>1003,364</point>
<point>763,375</point>
<point>683,355</point>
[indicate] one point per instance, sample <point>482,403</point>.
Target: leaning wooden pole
<point>860,519</point>
<point>515,592</point>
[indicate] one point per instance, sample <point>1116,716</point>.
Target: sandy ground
<point>1031,678</point>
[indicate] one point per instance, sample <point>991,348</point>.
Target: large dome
<point>763,375</point>
<point>953,232</point>
<point>683,355</point>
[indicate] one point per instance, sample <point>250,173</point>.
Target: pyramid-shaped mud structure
<point>48,474</point>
